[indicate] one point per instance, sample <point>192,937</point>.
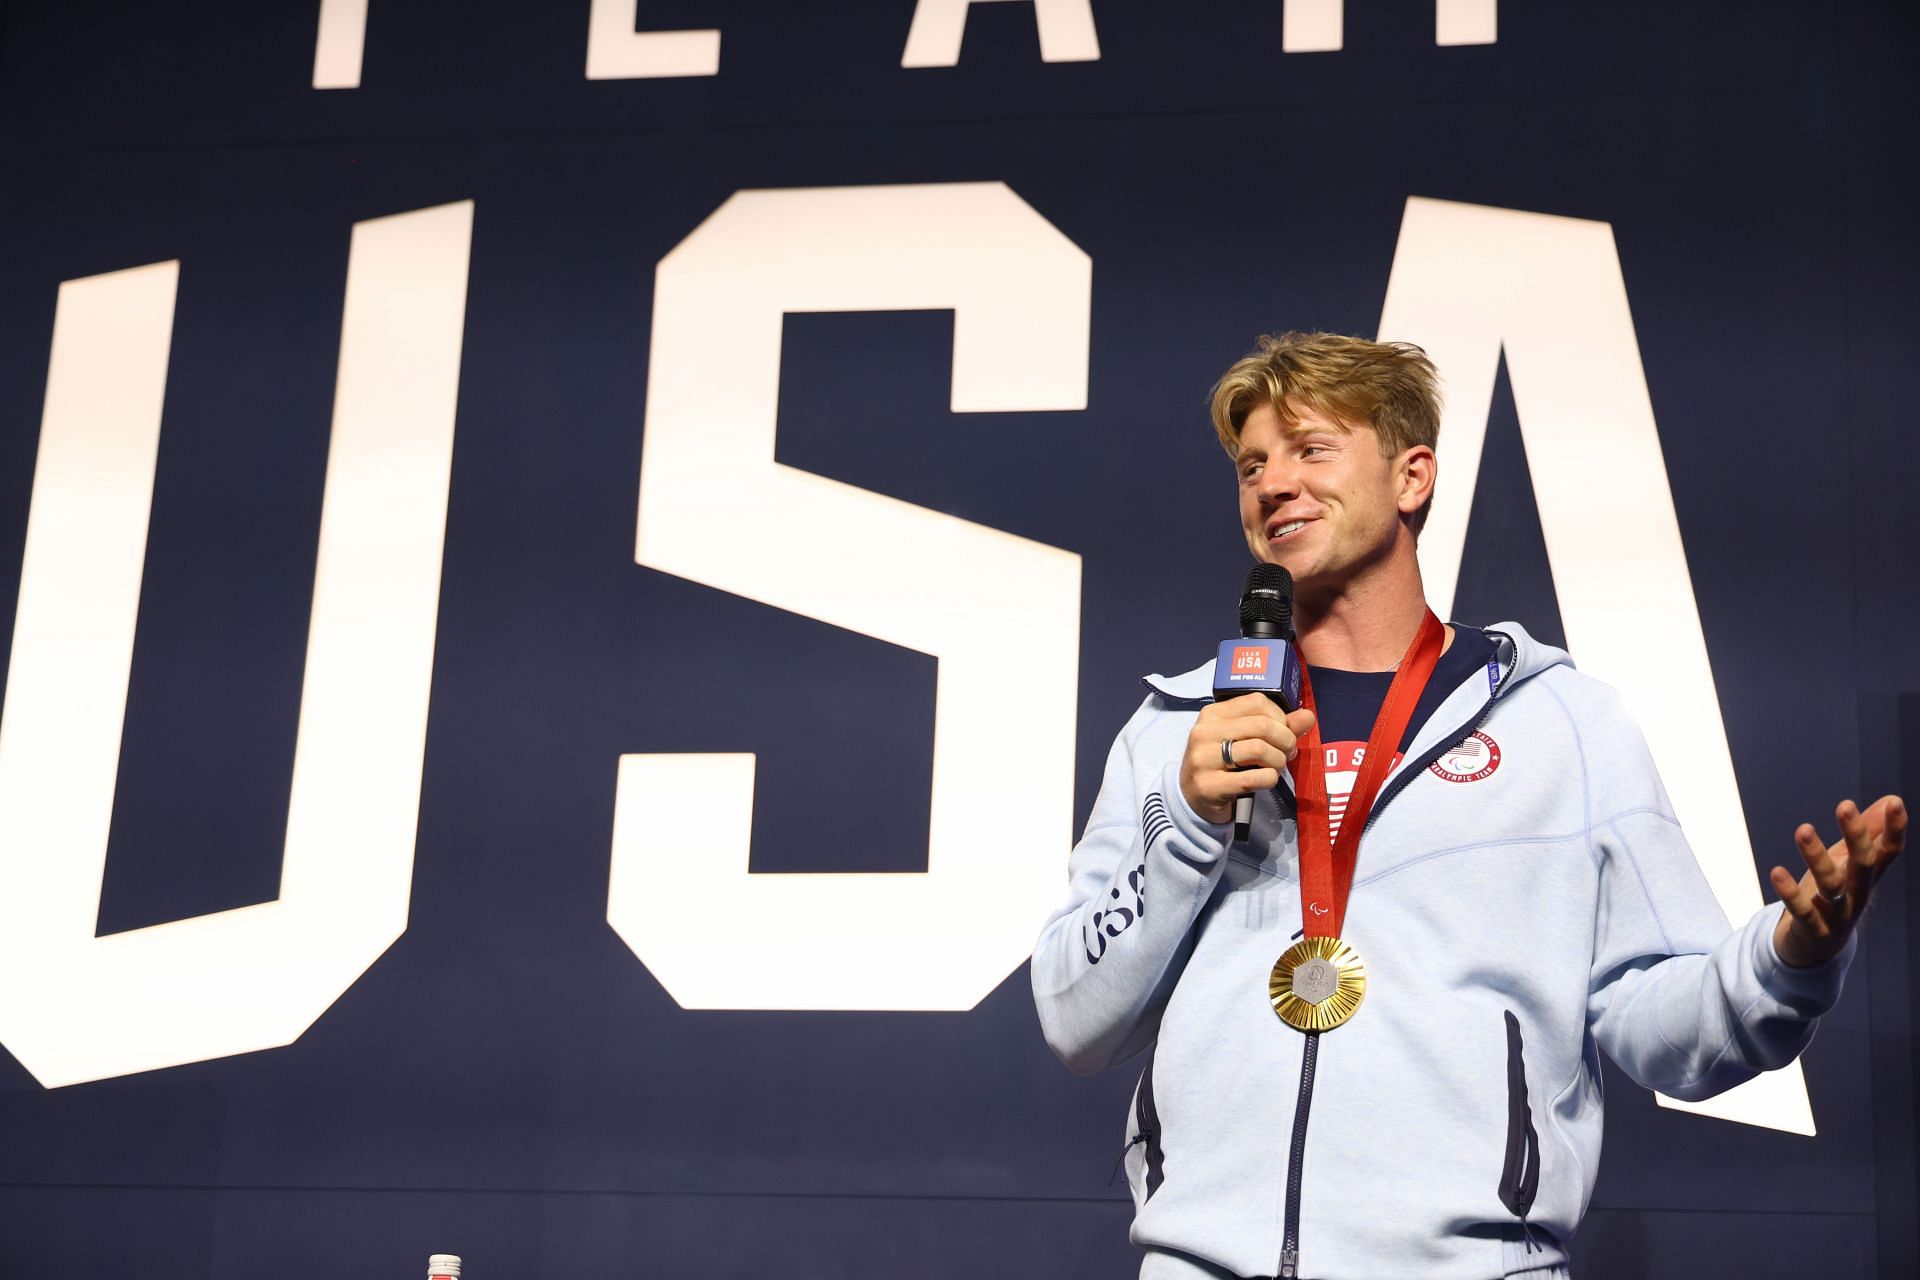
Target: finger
<point>1858,834</point>
<point>1256,706</point>
<point>1788,889</point>
<point>1248,704</point>
<point>1828,877</point>
<point>1233,752</point>
<point>1239,708</point>
<point>1889,814</point>
<point>1254,753</point>
<point>1885,827</point>
<point>1798,894</point>
<point>1235,711</point>
<point>1854,830</point>
<point>1231,786</point>
<point>1267,729</point>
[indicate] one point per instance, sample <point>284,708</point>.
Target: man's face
<point>1317,498</point>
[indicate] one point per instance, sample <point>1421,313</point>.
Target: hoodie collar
<point>1517,657</point>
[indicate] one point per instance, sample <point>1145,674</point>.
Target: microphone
<point>1262,660</point>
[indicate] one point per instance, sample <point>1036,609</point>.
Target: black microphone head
<point>1266,606</point>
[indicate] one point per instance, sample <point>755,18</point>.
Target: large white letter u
<point>77,1007</point>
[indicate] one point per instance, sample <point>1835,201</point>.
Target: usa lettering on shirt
<point>1343,761</point>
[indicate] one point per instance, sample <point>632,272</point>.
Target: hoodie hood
<point>1517,657</point>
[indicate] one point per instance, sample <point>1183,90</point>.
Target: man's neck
<point>1368,626</point>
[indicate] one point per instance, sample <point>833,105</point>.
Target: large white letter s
<point>1000,612</point>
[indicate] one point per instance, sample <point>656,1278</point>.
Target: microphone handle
<point>1243,807</point>
<point>1257,629</point>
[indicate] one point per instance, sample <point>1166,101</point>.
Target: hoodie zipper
<point>1520,1175</point>
<point>1296,1158</point>
<point>1309,1058</point>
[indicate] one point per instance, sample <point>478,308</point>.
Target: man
<point>1522,897</point>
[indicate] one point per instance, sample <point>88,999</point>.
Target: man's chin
<point>1288,558</point>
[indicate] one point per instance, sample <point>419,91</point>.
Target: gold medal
<point>1317,984</point>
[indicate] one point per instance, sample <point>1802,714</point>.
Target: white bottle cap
<point>443,1265</point>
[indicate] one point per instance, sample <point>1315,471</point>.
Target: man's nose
<point>1278,482</point>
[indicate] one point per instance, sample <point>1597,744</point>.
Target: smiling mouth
<point>1287,530</point>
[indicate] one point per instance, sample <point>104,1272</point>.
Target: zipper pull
<point>1290,1265</point>
<point>1133,1142</point>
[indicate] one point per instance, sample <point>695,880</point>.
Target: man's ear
<point>1416,469</point>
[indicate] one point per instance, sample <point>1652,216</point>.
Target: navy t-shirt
<point>1347,702</point>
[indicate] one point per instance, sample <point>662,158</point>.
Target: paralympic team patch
<point>1470,761</point>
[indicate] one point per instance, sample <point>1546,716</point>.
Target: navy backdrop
<point>508,1082</point>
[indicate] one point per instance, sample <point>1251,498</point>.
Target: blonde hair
<point>1391,387</point>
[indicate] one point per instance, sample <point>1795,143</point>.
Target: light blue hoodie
<point>1512,927</point>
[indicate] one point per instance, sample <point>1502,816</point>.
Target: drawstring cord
<point>1132,1142</point>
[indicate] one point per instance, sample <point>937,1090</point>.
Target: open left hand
<point>1825,904</point>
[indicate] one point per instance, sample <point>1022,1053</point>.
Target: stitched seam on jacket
<point>1650,810</point>
<point>1580,749</point>
<point>1551,1118</point>
<point>1645,892</point>
<point>1640,994</point>
<point>1246,860</point>
<point>1740,1020</point>
<point>1467,848</point>
<point>1654,981</point>
<point>1560,838</point>
<point>1667,942</point>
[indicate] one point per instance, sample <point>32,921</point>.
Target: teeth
<point>1288,528</point>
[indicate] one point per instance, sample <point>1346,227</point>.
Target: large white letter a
<point>1066,32</point>
<point>1469,280</point>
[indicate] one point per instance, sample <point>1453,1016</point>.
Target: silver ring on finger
<point>1226,753</point>
<point>1835,898</point>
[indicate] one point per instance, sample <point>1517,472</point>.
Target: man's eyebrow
<point>1298,429</point>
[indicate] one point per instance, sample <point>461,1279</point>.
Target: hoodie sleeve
<point>1681,1003</point>
<point>1107,961</point>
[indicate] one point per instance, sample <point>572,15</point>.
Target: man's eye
<point>1310,449</point>
<point>1249,471</point>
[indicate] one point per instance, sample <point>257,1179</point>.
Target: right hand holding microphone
<point>1260,740</point>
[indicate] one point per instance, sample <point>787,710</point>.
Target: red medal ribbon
<point>1326,865</point>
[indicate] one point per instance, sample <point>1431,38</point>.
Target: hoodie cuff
<point>1811,991</point>
<point>1209,841</point>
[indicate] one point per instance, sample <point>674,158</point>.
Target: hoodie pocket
<point>1520,1176</point>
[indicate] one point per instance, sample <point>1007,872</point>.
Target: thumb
<point>1299,722</point>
